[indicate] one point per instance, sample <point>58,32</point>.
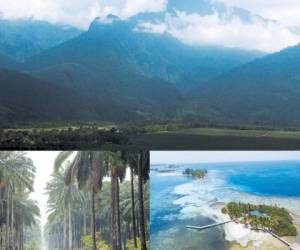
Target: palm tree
<point>60,203</point>
<point>143,176</point>
<point>16,174</point>
<point>16,182</point>
<point>88,169</point>
<point>117,168</point>
<point>132,160</point>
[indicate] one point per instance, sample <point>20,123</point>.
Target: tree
<point>88,169</point>
<point>18,211</point>
<point>117,169</point>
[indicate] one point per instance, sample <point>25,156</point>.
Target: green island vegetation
<point>197,173</point>
<point>165,171</point>
<point>91,206</point>
<point>270,218</point>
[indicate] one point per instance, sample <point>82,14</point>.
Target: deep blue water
<point>267,178</point>
<point>259,178</point>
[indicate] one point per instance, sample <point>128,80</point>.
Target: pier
<point>208,226</point>
<point>289,245</point>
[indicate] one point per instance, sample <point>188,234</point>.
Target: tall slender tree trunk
<point>93,221</point>
<point>70,226</point>
<point>84,221</point>
<point>11,240</point>
<point>65,242</point>
<point>133,208</point>
<point>22,239</point>
<point>7,222</point>
<point>113,210</point>
<point>118,215</point>
<point>141,202</point>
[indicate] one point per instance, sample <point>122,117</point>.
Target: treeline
<point>197,173</point>
<point>19,215</point>
<point>81,137</point>
<point>99,200</point>
<point>273,218</point>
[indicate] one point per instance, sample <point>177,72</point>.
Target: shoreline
<point>241,237</point>
<point>238,236</point>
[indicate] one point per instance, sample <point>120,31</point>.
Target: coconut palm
<point>117,170</point>
<point>16,181</point>
<point>88,170</point>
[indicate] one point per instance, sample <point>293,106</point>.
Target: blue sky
<point>180,157</point>
<point>266,25</point>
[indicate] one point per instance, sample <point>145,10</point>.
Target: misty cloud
<point>226,30</point>
<point>271,25</point>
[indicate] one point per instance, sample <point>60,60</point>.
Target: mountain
<point>26,99</point>
<point>23,38</point>
<point>7,62</point>
<point>149,54</point>
<point>265,91</point>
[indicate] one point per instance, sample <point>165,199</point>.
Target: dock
<point>289,245</point>
<point>208,226</point>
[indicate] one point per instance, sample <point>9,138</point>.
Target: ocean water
<point>177,200</point>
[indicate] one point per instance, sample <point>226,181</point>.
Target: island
<point>267,218</point>
<point>197,173</point>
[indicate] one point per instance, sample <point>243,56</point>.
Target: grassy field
<point>239,132</point>
<point>102,136</point>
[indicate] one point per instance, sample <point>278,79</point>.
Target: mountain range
<point>116,72</point>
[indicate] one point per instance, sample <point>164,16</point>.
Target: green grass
<point>238,132</point>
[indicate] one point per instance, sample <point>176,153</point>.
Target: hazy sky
<point>270,26</point>
<point>44,162</point>
<point>180,157</point>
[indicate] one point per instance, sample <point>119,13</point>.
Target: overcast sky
<point>181,157</point>
<point>272,24</point>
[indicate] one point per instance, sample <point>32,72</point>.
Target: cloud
<point>284,11</point>
<point>78,13</point>
<point>226,29</point>
<point>270,25</point>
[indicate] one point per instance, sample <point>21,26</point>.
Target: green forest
<point>273,218</point>
<point>197,173</point>
<point>96,200</point>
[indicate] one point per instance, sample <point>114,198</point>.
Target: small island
<point>262,217</point>
<point>197,173</point>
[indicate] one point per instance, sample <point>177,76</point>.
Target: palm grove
<point>92,205</point>
<point>19,215</point>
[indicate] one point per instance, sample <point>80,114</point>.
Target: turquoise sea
<point>177,200</point>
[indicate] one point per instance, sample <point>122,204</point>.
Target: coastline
<point>241,237</point>
<point>199,199</point>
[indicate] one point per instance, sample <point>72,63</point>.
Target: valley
<point>116,72</point>
<point>128,136</point>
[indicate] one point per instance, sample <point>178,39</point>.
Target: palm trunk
<point>114,227</point>
<point>118,216</point>
<point>93,221</point>
<point>133,208</point>
<point>84,222</point>
<point>7,224</point>
<point>11,240</point>
<point>70,226</point>
<point>65,230</point>
<point>141,203</point>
